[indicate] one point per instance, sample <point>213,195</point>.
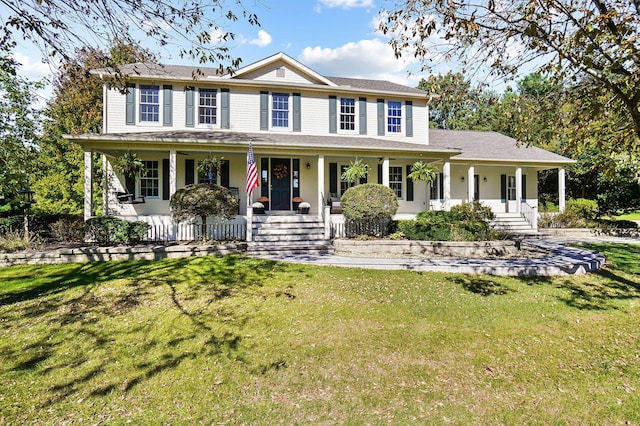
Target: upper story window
<point>395,180</point>
<point>207,106</point>
<point>280,110</point>
<point>150,181</point>
<point>394,117</point>
<point>347,114</point>
<point>149,103</point>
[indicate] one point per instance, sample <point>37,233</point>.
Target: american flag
<point>252,171</point>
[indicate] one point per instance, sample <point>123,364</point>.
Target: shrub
<point>110,230</point>
<point>369,205</point>
<point>583,208</point>
<point>202,200</point>
<point>11,241</point>
<point>68,229</point>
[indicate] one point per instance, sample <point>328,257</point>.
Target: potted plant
<point>130,165</point>
<point>304,207</point>
<point>258,208</point>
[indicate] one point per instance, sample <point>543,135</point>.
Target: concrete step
<point>289,238</point>
<point>294,218</point>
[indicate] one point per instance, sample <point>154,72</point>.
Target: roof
<point>491,146</point>
<point>380,85</point>
<point>268,139</point>
<point>151,70</point>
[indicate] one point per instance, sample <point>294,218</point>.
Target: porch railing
<point>193,231</point>
<point>351,229</point>
<point>530,214</point>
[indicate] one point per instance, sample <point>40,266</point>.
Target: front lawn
<point>243,341</point>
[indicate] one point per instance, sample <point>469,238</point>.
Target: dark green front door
<point>280,184</point>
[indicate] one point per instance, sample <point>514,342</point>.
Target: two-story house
<point>305,129</point>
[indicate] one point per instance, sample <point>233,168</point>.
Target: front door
<point>280,184</point>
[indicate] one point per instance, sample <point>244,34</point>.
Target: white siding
<point>270,73</point>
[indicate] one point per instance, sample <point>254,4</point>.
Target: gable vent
<point>280,72</point>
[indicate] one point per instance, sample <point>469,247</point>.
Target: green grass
<point>629,216</point>
<point>243,341</point>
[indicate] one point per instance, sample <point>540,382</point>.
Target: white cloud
<point>33,69</point>
<point>363,59</point>
<point>263,39</point>
<point>347,4</point>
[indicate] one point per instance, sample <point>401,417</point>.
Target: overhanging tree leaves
<point>60,27</point>
<point>599,39</point>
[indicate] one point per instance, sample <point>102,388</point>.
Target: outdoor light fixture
<point>308,165</point>
<point>462,178</point>
<point>484,179</point>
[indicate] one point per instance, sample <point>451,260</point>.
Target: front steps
<point>512,223</point>
<point>284,235</point>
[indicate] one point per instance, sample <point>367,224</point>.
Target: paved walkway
<point>562,260</point>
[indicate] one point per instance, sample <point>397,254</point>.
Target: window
<point>150,181</point>
<point>207,106</point>
<point>394,117</point>
<point>280,110</point>
<point>347,114</point>
<point>511,188</point>
<point>150,104</point>
<point>395,180</point>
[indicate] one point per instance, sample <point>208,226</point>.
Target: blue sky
<point>333,37</point>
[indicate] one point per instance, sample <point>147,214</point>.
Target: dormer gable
<point>281,68</point>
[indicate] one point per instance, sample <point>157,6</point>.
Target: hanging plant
<point>357,170</point>
<point>130,165</point>
<point>211,166</point>
<point>280,171</point>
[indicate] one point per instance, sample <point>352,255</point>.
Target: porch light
<point>484,179</point>
<point>308,165</point>
<point>462,178</point>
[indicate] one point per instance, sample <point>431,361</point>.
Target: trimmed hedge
<point>110,230</point>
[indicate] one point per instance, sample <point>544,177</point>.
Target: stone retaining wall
<point>442,249</point>
<point>91,254</point>
<point>589,232</point>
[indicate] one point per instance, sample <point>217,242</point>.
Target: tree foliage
<point>19,131</point>
<point>203,200</point>
<point>58,28</point>
<point>593,42</point>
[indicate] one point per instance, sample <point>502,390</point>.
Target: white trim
<point>139,109</point>
<point>287,60</point>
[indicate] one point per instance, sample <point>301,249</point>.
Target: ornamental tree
<point>203,200</point>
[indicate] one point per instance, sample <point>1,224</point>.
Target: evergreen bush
<point>110,230</point>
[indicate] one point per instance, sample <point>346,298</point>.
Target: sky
<point>336,38</point>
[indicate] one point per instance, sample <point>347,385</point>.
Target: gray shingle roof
<point>491,146</point>
<point>379,85</point>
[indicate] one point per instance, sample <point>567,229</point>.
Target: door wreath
<point>280,171</point>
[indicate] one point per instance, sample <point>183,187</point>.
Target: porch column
<point>106,182</point>
<point>470,183</point>
<point>321,193</point>
<point>173,175</point>
<point>561,189</point>
<point>519,190</point>
<point>446,185</point>
<point>88,184</point>
<point>385,171</point>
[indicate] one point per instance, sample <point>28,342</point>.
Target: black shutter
<point>165,178</point>
<point>441,186</point>
<point>297,123</point>
<point>503,188</point>
<point>130,185</point>
<point>189,169</point>
<point>524,187</point>
<point>333,114</point>
<point>224,109</point>
<point>409,185</point>
<point>333,178</point>
<point>264,110</point>
<point>224,173</point>
<point>131,105</point>
<point>167,106</point>
<point>379,174</point>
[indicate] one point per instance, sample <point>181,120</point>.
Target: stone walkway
<point>563,260</point>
